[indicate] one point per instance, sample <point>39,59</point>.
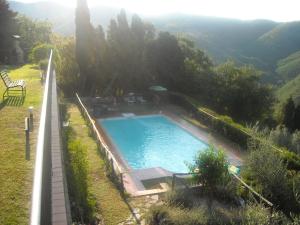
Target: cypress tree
<point>85,48</point>
<point>297,118</point>
<point>289,114</point>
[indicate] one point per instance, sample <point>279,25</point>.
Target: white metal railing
<point>36,202</point>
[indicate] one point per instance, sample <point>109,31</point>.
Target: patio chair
<point>9,84</point>
<point>140,99</point>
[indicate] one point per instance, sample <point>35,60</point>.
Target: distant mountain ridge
<point>259,42</point>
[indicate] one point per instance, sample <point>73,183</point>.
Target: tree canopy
<point>8,29</point>
<point>133,57</point>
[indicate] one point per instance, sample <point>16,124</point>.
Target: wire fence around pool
<point>115,170</point>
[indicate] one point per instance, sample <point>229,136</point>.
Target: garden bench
<point>12,84</point>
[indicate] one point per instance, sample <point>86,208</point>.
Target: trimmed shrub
<point>40,52</point>
<point>223,125</point>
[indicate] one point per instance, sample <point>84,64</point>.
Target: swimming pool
<point>152,141</point>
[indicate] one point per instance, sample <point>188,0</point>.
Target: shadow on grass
<point>15,101</point>
<point>10,67</point>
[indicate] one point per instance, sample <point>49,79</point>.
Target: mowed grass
<point>16,173</point>
<point>111,206</point>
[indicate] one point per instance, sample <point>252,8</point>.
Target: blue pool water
<point>153,141</point>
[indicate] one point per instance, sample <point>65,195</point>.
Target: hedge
<point>229,129</point>
<point>231,132</point>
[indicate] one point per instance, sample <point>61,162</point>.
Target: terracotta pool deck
<point>133,179</point>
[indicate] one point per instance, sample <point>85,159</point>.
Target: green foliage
<point>291,88</point>
<point>212,166</point>
<point>111,206</point>
<point>8,28</point>
<point>291,159</point>
<point>83,204</point>
<point>229,90</point>
<point>67,67</point>
<point>289,67</point>
<point>128,44</point>
<point>281,41</point>
<point>164,215</point>
<point>282,137</point>
<point>238,91</point>
<point>115,61</point>
<point>222,124</point>
<point>166,61</point>
<point>234,131</point>
<point>256,214</point>
<point>158,215</point>
<point>86,52</point>
<point>266,168</point>
<point>17,173</point>
<point>180,198</point>
<point>288,113</point>
<point>40,52</point>
<point>131,58</point>
<point>43,64</point>
<point>32,33</point>
<point>260,43</point>
<point>251,214</point>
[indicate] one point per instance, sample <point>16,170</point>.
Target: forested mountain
<point>262,43</point>
<point>259,42</point>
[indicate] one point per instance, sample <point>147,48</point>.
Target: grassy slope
<point>112,207</point>
<point>15,172</point>
<point>289,67</point>
<point>290,88</point>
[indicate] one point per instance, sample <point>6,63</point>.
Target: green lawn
<point>15,172</point>
<point>111,206</point>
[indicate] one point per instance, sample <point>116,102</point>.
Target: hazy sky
<point>278,10</point>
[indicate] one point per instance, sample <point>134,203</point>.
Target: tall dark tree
<point>198,71</point>
<point>7,30</point>
<point>166,60</point>
<point>126,45</point>
<point>103,61</point>
<point>297,118</point>
<point>288,114</point>
<point>85,48</point>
